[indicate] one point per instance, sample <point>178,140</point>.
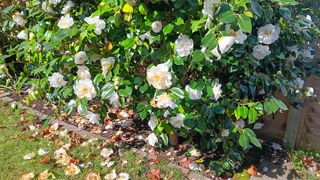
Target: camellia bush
<point>205,70</point>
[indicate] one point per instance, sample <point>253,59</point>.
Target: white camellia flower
<point>92,117</point>
<point>114,100</point>
<point>152,139</point>
<point>225,133</point>
<point>193,93</point>
<point>65,22</point>
<point>19,19</point>
<point>153,122</point>
<point>239,36</point>
<point>159,76</point>
<point>177,121</point>
<point>56,80</point>
<point>156,26</point>
<point>100,24</point>
<point>81,57</point>
<point>67,6</point>
<point>46,7</point>
<point>107,64</point>
<point>164,101</point>
<point>54,2</point>
<point>111,176</point>
<point>268,34</point>
<point>71,170</point>
<point>83,72</point>
<point>85,88</point>
<point>260,51</point>
<point>240,123</point>
<point>106,152</point>
<point>217,91</point>
<point>225,43</point>
<point>207,10</point>
<point>22,35</point>
<point>184,45</point>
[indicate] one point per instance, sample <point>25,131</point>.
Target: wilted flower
<point>156,26</point>
<point>153,122</point>
<point>83,72</point>
<point>65,22</point>
<point>85,88</point>
<point>260,51</point>
<point>22,35</point>
<point>239,36</point>
<point>66,7</point>
<point>164,101</point>
<point>268,34</point>
<point>100,24</point>
<point>217,91</point>
<point>92,117</point>
<point>184,45</point>
<point>44,175</point>
<point>71,170</point>
<point>194,94</point>
<point>56,80</point>
<point>152,139</point>
<point>107,64</point>
<point>177,121</point>
<point>225,43</point>
<point>93,176</point>
<point>80,57</point>
<point>159,76</point>
<point>19,19</point>
<point>46,7</point>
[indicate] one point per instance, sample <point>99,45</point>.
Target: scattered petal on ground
<point>42,151</point>
<point>111,176</point>
<point>28,176</point>
<point>29,156</point>
<point>71,170</point>
<point>44,175</point>
<point>123,176</point>
<point>93,176</point>
<point>106,152</point>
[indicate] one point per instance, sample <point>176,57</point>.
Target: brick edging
<point>186,172</point>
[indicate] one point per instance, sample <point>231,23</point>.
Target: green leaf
<point>281,105</point>
<point>197,24</point>
<point>244,112</point>
<point>178,92</point>
<point>164,138</point>
<point>143,114</point>
<point>128,43</point>
<point>107,90</point>
<point>190,123</point>
<point>228,17</point>
<point>252,116</point>
<point>125,92</point>
<point>168,28</point>
<point>70,107</point>
<point>200,126</point>
<point>144,88</point>
<point>112,115</point>
<point>237,113</point>
<point>143,9</point>
<point>286,2</point>
<point>256,8</point>
<point>245,23</point>
<point>244,141</point>
<point>117,19</point>
<point>209,40</point>
<point>252,137</point>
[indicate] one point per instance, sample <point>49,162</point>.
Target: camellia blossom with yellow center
<point>65,22</point>
<point>85,88</point>
<point>159,76</point>
<point>164,100</point>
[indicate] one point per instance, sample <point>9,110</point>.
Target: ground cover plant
<point>205,71</point>
<point>30,149</point>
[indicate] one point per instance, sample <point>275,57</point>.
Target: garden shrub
<point>206,70</point>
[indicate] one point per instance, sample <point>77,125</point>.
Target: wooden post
<point>294,123</point>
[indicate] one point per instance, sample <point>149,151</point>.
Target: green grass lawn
<point>16,141</point>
